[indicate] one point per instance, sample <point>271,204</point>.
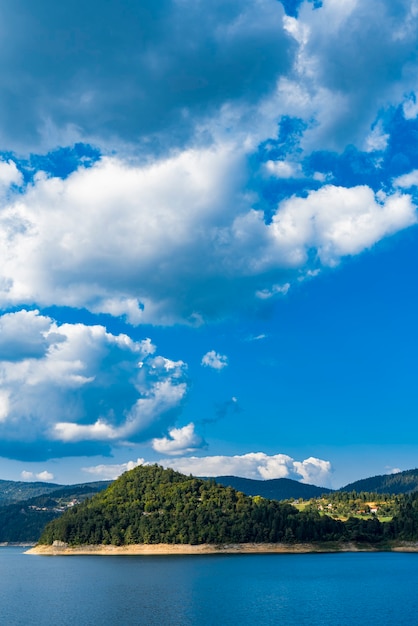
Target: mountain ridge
<point>274,488</point>
<point>401,482</point>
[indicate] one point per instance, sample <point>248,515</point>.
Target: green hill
<point>402,482</point>
<point>273,489</point>
<point>152,505</point>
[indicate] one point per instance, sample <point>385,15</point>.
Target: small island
<point>151,510</point>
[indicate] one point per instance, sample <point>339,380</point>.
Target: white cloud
<point>410,107</point>
<point>179,441</point>
<point>255,465</point>
<point>377,139</point>
<point>257,337</point>
<point>131,239</point>
<point>44,476</point>
<point>70,384</point>
<point>9,175</point>
<point>337,222</point>
<point>135,240</point>
<point>407,180</point>
<point>214,360</point>
<point>284,169</point>
<point>328,83</point>
<point>265,294</point>
<point>313,470</point>
<point>111,472</point>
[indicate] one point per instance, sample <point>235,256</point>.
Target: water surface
<point>188,590</point>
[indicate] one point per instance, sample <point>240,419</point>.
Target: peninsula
<point>151,510</point>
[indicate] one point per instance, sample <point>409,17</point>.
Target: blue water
<point>311,589</point>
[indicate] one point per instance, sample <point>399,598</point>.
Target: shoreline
<point>62,549</point>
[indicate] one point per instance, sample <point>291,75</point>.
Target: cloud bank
<point>141,74</point>
<point>254,465</point>
<point>219,162</point>
<point>71,387</point>
<point>220,189</point>
<point>135,241</point>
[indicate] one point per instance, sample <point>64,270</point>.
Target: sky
<point>208,238</point>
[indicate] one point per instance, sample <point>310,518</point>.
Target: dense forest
<point>24,521</point>
<point>152,505</point>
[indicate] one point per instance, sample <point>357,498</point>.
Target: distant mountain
<point>23,521</point>
<point>14,491</point>
<point>402,482</point>
<point>273,489</point>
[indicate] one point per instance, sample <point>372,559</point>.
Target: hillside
<point>24,521</point>
<point>152,505</point>
<point>402,482</point>
<point>273,489</point>
<point>15,491</point>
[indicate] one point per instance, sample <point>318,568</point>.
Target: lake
<point>287,589</point>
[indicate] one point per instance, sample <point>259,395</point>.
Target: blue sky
<point>208,238</point>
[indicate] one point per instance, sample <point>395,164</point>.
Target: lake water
<point>286,589</point>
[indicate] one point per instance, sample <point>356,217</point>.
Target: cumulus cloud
<point>166,227</point>
<point>74,384</point>
<point>111,472</point>
<point>164,236</point>
<point>179,441</point>
<point>328,79</point>
<point>134,240</point>
<point>255,465</point>
<point>161,67</point>
<point>336,222</point>
<point>165,74</point>
<point>44,476</point>
<point>214,360</point>
<point>407,180</point>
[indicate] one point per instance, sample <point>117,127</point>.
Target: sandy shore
<point>236,548</point>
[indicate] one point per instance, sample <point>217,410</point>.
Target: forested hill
<point>274,489</point>
<point>402,482</point>
<point>152,505</point>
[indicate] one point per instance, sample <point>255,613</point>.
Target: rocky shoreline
<point>63,549</point>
